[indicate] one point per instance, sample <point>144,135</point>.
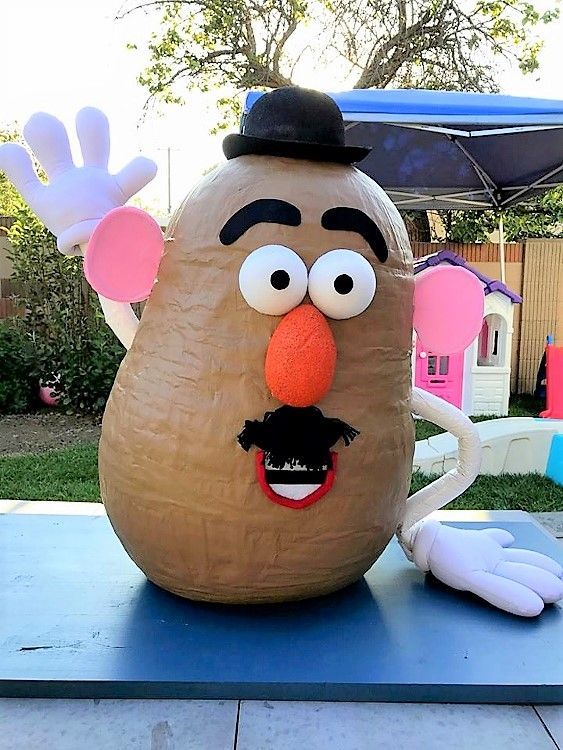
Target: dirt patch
<point>35,433</point>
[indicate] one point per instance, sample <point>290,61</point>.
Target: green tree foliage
<point>71,345</point>
<point>241,44</point>
<point>63,334</point>
<point>467,226</point>
<point>540,217</point>
<point>18,387</point>
<point>10,200</point>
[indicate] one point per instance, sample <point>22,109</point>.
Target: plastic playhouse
<point>476,380</point>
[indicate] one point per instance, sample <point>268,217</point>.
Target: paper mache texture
<point>180,491</point>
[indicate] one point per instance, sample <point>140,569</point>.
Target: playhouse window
<point>491,346</point>
<point>438,365</point>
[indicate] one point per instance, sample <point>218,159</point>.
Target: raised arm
<point>76,198</point>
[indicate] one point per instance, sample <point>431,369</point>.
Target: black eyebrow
<point>354,220</point>
<point>269,210</point>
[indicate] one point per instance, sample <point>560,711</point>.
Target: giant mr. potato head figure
<point>257,444</point>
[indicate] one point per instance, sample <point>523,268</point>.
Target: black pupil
<point>279,280</point>
<point>343,284</point>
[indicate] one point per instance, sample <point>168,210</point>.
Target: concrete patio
<point>261,725</point>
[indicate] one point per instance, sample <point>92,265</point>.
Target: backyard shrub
<point>17,382</point>
<point>73,350</point>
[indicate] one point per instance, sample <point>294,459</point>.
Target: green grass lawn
<point>531,492</point>
<point>66,474</point>
<point>72,474</point>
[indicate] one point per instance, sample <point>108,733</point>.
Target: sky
<point>61,55</point>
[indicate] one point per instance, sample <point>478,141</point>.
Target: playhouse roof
<point>452,259</point>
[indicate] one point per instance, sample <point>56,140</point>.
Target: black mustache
<point>296,435</point>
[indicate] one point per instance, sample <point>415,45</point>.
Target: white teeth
<point>289,467</point>
<point>294,491</point>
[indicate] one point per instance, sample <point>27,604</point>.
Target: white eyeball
<point>342,284</point>
<point>273,279</point>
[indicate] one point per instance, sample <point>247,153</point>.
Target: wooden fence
<point>542,309</point>
<point>10,288</point>
<point>481,252</point>
<point>6,221</point>
<point>9,308</point>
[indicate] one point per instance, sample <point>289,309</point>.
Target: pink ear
<point>448,308</point>
<point>123,255</point>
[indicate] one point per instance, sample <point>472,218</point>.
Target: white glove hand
<point>516,580</point>
<point>76,198</point>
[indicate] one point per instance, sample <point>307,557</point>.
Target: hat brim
<point>240,145</point>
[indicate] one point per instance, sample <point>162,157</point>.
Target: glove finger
<point>49,142</point>
<point>135,175</point>
<point>501,536</point>
<point>533,558</point>
<point>92,128</point>
<point>16,163</point>
<point>544,583</point>
<point>505,594</point>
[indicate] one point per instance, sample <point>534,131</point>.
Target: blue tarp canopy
<point>442,149</point>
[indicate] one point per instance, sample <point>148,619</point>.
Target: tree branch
<point>291,29</point>
<point>376,72</point>
<point>245,43</point>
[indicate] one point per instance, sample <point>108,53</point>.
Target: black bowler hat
<point>295,122</point>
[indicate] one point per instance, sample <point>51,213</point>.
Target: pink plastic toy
<point>47,395</point>
<point>554,383</point>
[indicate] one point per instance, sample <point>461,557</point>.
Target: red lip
<point>305,502</point>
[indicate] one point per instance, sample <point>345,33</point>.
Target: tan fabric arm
<point>119,316</point>
<point>449,486</point>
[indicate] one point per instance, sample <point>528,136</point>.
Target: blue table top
<point>78,619</point>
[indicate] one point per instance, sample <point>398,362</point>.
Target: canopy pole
<point>501,247</point>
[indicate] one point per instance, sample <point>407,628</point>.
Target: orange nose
<point>301,357</point>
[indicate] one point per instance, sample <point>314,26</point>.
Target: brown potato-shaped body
<point>181,493</point>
